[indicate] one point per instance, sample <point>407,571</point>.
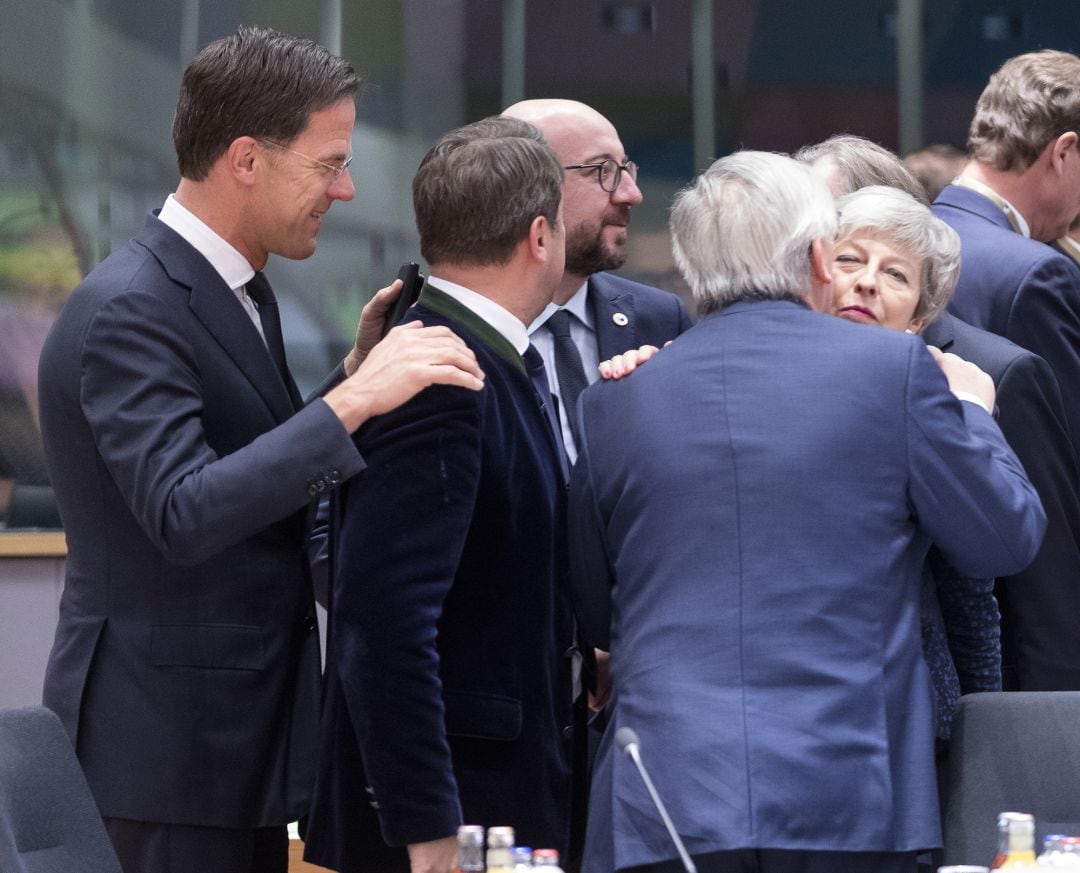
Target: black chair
<point>49,822</point>
<point>1016,751</point>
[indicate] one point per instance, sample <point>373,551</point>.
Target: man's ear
<point>820,266</point>
<point>242,156</point>
<point>1059,149</point>
<point>540,238</point>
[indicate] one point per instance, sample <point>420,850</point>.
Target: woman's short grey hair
<point>745,226</point>
<point>859,163</point>
<point>897,218</point>
<point>1030,101</point>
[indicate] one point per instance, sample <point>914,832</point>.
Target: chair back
<point>1018,751</point>
<point>49,822</point>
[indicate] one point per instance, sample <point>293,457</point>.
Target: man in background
<point>1021,189</point>
<point>594,315</point>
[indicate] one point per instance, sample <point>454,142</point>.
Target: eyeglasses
<point>609,172</point>
<point>334,169</point>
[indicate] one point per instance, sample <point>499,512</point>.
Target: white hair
<point>745,227</point>
<point>909,225</point>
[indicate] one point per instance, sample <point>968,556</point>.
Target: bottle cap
<point>500,837</point>
<point>470,835</point>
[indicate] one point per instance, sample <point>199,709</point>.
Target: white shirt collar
<point>577,305</point>
<point>1071,247</point>
<point>229,263</point>
<point>504,321</point>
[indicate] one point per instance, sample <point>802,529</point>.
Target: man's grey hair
<point>860,162</point>
<point>745,227</point>
<point>480,187</point>
<point>1030,101</point>
<point>897,219</point>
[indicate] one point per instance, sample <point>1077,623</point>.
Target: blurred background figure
<point>935,167</point>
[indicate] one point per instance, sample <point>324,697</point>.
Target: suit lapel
<point>940,332</point>
<point>216,307</point>
<point>972,201</point>
<point>613,317</point>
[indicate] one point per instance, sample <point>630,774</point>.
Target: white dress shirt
<point>583,333</point>
<point>232,266</point>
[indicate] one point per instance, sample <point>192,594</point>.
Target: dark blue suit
<point>751,554</point>
<point>1029,293</point>
<point>1023,290</point>
<point>447,680</point>
<point>652,316</point>
<point>186,661</point>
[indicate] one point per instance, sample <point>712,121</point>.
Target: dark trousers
<point>782,861</point>
<point>151,847</point>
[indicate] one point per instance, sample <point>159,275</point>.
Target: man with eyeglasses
<point>595,315</point>
<point>186,660</point>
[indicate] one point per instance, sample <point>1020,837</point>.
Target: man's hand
<point>627,362</point>
<point>411,358</point>
<point>369,330</point>
<point>434,856</point>
<point>965,378</point>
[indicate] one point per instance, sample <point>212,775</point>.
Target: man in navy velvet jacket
<point>447,688</point>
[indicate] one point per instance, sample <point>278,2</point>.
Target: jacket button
<point>310,622</point>
<point>567,733</point>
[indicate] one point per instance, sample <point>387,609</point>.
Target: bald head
<point>596,220</point>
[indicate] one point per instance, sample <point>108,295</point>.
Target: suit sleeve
<point>967,489</point>
<point>402,530</point>
<point>591,575</point>
<point>1045,319</point>
<point>141,395</point>
<point>972,625</point>
<point>1040,603</point>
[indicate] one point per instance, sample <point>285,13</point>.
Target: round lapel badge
<point>620,319</point>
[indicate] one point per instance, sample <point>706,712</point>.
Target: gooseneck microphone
<point>627,740</point>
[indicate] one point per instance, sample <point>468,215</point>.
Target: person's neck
<point>508,285</point>
<point>208,202</point>
<point>568,287</point>
<point>1019,188</point>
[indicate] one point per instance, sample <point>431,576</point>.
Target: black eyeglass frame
<point>627,166</point>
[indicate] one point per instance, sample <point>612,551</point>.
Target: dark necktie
<point>568,367</point>
<point>534,365</point>
<point>263,295</point>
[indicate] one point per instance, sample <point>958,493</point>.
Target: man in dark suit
<point>605,314</point>
<point>1021,186</point>
<point>758,537</point>
<point>1040,646</point>
<point>447,685</point>
<point>186,660</point>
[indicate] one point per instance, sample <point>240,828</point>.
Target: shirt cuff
<point>972,398</point>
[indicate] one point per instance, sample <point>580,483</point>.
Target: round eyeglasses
<point>609,172</point>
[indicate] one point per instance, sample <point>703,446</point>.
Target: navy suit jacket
<point>1023,290</point>
<point>1040,644</point>
<point>653,316</point>
<point>447,676</point>
<point>751,554</point>
<point>186,660</point>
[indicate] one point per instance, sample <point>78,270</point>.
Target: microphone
<point>627,740</point>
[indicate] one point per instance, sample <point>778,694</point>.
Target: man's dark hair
<point>480,187</point>
<point>258,83</point>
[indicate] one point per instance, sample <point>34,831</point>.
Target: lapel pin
<point>620,319</point>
